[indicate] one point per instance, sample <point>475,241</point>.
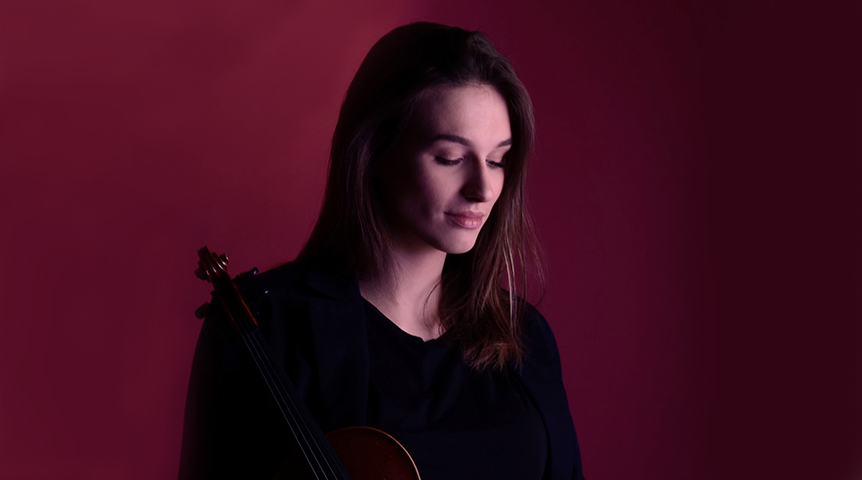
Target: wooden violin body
<point>357,453</point>
<point>366,453</point>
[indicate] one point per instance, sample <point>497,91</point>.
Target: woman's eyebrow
<point>463,141</point>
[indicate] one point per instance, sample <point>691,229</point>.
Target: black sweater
<point>315,321</point>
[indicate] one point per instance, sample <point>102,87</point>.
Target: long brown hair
<point>475,309</point>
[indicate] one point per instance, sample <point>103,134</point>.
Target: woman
<point>395,315</point>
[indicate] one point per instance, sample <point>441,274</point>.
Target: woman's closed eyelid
<point>455,161</point>
<point>447,161</point>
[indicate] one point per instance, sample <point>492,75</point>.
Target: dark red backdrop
<point>695,183</point>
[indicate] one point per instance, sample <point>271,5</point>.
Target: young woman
<point>402,311</point>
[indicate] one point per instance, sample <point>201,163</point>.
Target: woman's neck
<point>408,292</point>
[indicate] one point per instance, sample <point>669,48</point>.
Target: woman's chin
<point>458,248</point>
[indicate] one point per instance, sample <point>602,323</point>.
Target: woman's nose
<point>478,186</point>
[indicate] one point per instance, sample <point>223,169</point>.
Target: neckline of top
<point>392,326</point>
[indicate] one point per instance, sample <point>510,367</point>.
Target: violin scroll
<point>210,265</point>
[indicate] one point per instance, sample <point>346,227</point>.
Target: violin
<point>357,453</point>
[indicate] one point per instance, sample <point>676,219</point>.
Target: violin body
<point>366,453</point>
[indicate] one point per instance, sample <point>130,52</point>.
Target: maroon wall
<point>695,182</point>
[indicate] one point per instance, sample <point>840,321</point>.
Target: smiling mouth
<point>466,220</point>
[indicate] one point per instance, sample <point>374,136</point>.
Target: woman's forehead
<point>475,114</point>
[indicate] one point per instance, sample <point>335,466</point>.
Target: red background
<point>696,183</point>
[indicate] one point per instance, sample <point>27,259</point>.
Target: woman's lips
<point>467,219</point>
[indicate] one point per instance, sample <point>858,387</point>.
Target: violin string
<point>264,363</point>
<point>320,457</point>
<point>256,345</point>
<point>237,314</point>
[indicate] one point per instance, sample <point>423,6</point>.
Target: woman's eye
<point>500,164</point>
<point>447,161</point>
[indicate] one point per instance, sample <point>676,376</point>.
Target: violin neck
<point>312,443</point>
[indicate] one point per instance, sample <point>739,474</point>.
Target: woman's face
<point>440,181</point>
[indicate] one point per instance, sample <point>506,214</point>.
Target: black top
<point>316,323</point>
<point>454,422</point>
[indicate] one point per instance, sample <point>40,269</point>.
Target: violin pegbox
<point>210,265</point>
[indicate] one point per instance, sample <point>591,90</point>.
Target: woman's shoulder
<point>320,275</point>
<point>276,282</point>
<point>282,275</point>
<point>540,345</point>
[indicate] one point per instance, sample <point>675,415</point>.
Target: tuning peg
<point>223,261</point>
<point>201,273</point>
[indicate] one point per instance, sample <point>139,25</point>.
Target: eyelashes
<point>456,161</point>
<point>446,161</point>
